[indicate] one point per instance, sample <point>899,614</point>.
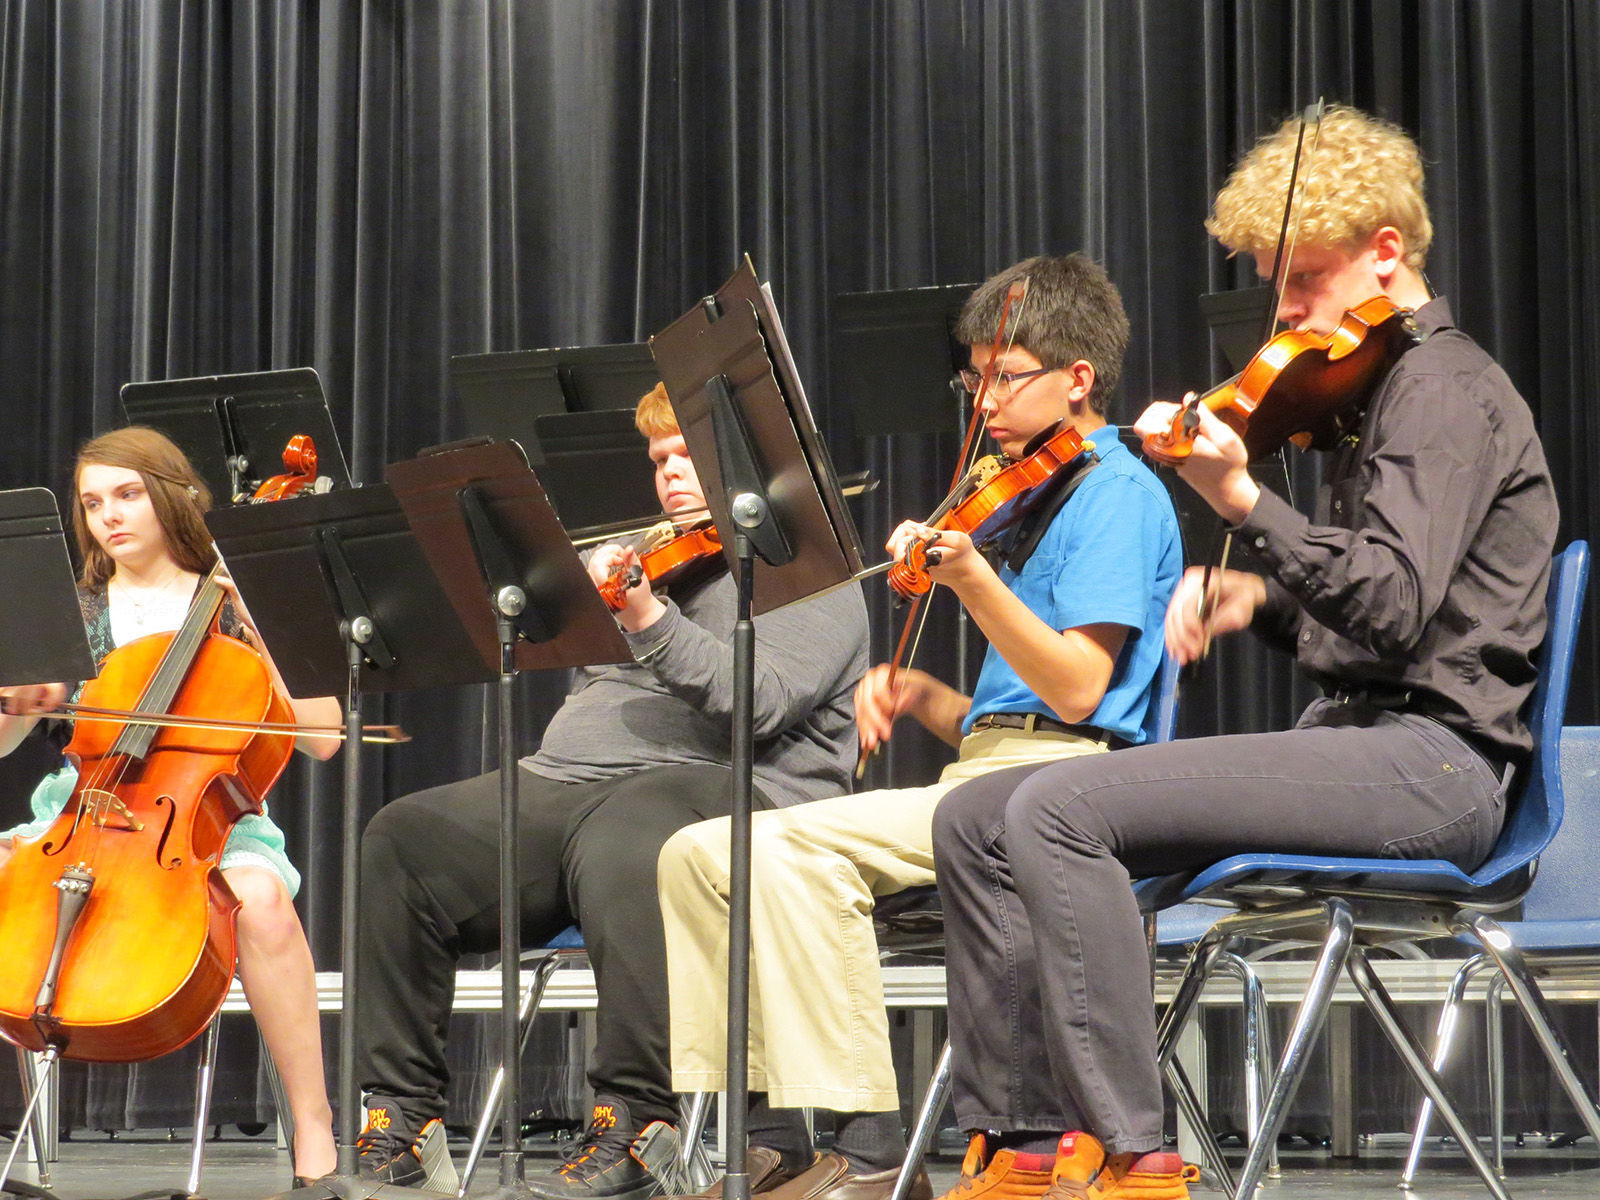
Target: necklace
<point>153,597</point>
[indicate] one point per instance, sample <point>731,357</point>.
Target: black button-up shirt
<point>1422,576</point>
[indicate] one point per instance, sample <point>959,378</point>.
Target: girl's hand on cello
<point>30,698</point>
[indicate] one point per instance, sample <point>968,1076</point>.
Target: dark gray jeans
<point>1051,1022</point>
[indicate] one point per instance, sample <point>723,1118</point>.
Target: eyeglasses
<point>1001,385</point>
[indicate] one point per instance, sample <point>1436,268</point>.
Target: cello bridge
<point>104,807</point>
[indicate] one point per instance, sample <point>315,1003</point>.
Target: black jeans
<point>1051,1021</point>
<point>430,893</point>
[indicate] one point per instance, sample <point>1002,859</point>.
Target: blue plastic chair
<point>1559,935</point>
<point>933,1102</point>
<point>1347,904</point>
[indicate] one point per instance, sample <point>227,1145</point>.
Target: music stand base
<point>16,1187</point>
<point>350,1187</point>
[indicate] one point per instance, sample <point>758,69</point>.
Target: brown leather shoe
<point>765,1168</point>
<point>830,1178</point>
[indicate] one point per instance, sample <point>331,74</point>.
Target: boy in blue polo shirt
<point>1073,614</point>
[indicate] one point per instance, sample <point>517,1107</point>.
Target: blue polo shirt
<point>1112,554</point>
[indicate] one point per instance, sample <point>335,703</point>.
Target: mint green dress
<point>255,841</point>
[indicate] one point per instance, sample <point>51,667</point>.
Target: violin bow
<point>1287,237</point>
<point>1016,294</point>
<point>377,735</point>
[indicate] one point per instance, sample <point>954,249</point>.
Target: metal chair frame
<point>1559,937</point>
<point>566,949</point>
<point>1347,906</point>
<point>39,1074</point>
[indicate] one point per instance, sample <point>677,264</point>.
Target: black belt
<point>1400,700</point>
<point>1030,722</point>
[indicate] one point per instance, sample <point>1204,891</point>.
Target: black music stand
<point>595,470</point>
<point>51,645</point>
<point>772,493</point>
<point>1240,321</point>
<point>893,355</point>
<point>234,427</point>
<point>519,588</point>
<point>501,392</point>
<point>572,411</point>
<point>458,573</point>
<point>345,602</point>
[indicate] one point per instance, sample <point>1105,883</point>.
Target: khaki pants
<point>819,1035</point>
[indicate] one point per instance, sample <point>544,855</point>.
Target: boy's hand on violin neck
<point>1217,467</point>
<point>952,559</point>
<point>608,558</point>
<point>641,608</point>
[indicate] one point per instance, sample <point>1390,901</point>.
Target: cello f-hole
<point>162,861</point>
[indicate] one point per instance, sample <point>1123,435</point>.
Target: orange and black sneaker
<point>1005,1175</point>
<point>1083,1172</point>
<point>392,1150</point>
<point>602,1163</point>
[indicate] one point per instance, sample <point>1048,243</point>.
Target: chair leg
<point>1257,1056</point>
<point>694,1164</point>
<point>1537,1013</point>
<point>1443,1043</point>
<point>927,1126</point>
<point>531,996</point>
<point>1197,969</point>
<point>1382,1007</point>
<point>37,1079</point>
<point>280,1100</point>
<point>1194,1112</point>
<point>1495,1032</point>
<point>1296,1056</point>
<point>202,1102</point>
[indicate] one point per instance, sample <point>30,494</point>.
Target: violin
<point>1300,387</point>
<point>997,500</point>
<point>116,926</point>
<point>669,560</point>
<point>300,471</point>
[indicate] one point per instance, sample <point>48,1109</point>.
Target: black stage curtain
<point>367,186</point>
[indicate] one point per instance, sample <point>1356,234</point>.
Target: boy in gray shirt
<point>636,752</point>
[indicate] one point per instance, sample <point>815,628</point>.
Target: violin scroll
<point>989,508</point>
<point>300,471</point>
<point>669,560</point>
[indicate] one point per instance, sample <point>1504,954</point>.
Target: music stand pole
<point>509,601</point>
<point>736,1185</point>
<point>355,632</point>
<point>756,531</point>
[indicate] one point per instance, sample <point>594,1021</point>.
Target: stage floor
<point>93,1167</point>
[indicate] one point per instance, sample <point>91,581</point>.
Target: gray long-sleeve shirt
<point>674,704</point>
<point>1423,573</point>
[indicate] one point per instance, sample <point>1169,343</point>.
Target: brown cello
<point>116,927</point>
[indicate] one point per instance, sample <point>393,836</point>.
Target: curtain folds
<point>368,187</point>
